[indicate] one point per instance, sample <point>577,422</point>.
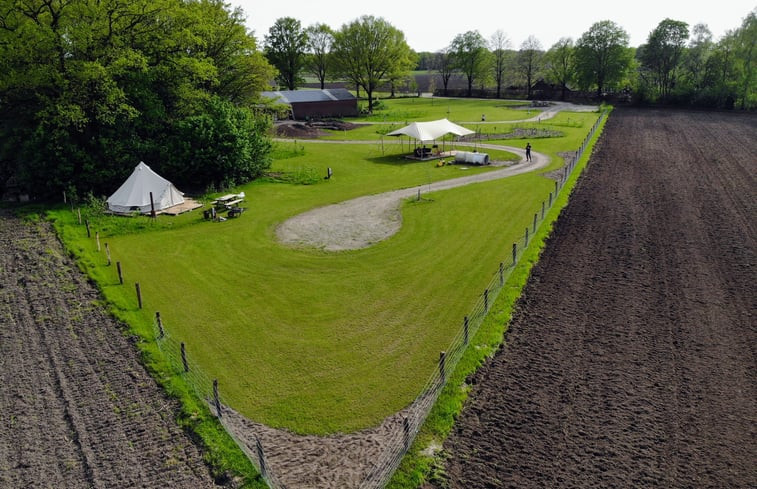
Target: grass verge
<point>425,459</point>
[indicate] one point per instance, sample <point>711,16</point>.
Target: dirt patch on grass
<point>630,358</point>
<point>310,130</point>
<point>78,409</point>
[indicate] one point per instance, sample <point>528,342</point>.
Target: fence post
<point>139,294</point>
<point>97,239</point>
<point>442,367</point>
<point>550,199</point>
<point>86,223</point>
<point>78,213</point>
<point>486,300</point>
<point>406,429</point>
<point>536,216</point>
<point>501,274</point>
<point>184,357</point>
<point>542,210</point>
<point>261,457</point>
<point>556,188</point>
<point>107,253</point>
<point>465,330</point>
<point>161,332</point>
<point>515,252</point>
<point>526,237</point>
<point>215,397</point>
<point>121,277</point>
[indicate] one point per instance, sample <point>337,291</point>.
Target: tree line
<point>88,88</point>
<point>676,65</point>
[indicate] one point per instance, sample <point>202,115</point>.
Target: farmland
<point>630,358</point>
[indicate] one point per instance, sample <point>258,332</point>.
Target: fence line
<point>180,358</point>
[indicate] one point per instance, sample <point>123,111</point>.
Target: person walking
<point>528,151</point>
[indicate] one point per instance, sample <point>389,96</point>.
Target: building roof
<point>304,96</point>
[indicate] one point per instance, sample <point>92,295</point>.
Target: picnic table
<point>228,201</point>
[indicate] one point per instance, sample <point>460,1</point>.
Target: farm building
<point>308,104</point>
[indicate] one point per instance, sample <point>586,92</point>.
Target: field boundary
<point>382,468</point>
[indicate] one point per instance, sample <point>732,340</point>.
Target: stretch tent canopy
<point>431,130</point>
<point>134,194</point>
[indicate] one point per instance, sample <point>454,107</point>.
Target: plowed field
<point>77,409</point>
<point>631,360</point>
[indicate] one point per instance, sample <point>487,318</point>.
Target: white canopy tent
<point>431,130</point>
<point>134,194</point>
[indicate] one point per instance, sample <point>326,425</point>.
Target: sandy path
<point>364,221</point>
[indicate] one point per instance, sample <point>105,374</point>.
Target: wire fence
<point>386,464</point>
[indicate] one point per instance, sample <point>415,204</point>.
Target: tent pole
<point>152,207</point>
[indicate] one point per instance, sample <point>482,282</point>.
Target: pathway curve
<point>365,221</point>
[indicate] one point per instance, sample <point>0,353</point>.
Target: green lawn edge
<point>424,461</point>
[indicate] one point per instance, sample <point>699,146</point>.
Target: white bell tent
<point>134,194</point>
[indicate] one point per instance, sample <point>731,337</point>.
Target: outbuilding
<point>316,104</point>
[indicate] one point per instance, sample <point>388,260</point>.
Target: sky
<point>431,26</point>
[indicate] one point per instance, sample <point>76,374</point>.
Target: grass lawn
<point>312,341</point>
<point>410,109</point>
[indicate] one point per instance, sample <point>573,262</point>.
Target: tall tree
<point>529,61</point>
<point>369,50</point>
<point>446,67</point>
<point>469,56</point>
<point>320,38</point>
<point>661,55</point>
<point>285,47</point>
<point>499,45</point>
<point>695,58</point>
<point>602,56</point>
<point>559,64</point>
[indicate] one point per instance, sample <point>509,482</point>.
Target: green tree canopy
<point>662,54</point>
<point>470,55</point>
<point>529,61</point>
<point>88,89</point>
<point>602,56</point>
<point>286,48</point>
<point>369,50</point>
<point>320,38</point>
<point>559,64</point>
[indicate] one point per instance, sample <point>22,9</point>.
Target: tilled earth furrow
<point>630,358</point>
<point>81,410</point>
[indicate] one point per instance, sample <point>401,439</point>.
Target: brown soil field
<point>630,360</point>
<point>77,408</point>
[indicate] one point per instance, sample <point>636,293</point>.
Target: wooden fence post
<point>515,252</point>
<point>536,216</point>
<point>139,294</point>
<point>542,210</point>
<point>406,430</point>
<point>161,332</point>
<point>86,223</point>
<point>78,213</point>
<point>486,300</point>
<point>97,239</point>
<point>184,357</point>
<point>261,457</point>
<point>215,397</point>
<point>501,274</point>
<point>442,367</point>
<point>107,253</point>
<point>121,276</point>
<point>526,236</point>
<point>550,199</point>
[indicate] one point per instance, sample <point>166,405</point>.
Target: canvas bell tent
<point>134,194</point>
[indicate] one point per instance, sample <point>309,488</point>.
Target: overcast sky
<point>431,26</point>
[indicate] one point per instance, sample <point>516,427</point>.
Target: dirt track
<point>631,356</point>
<point>77,409</point>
